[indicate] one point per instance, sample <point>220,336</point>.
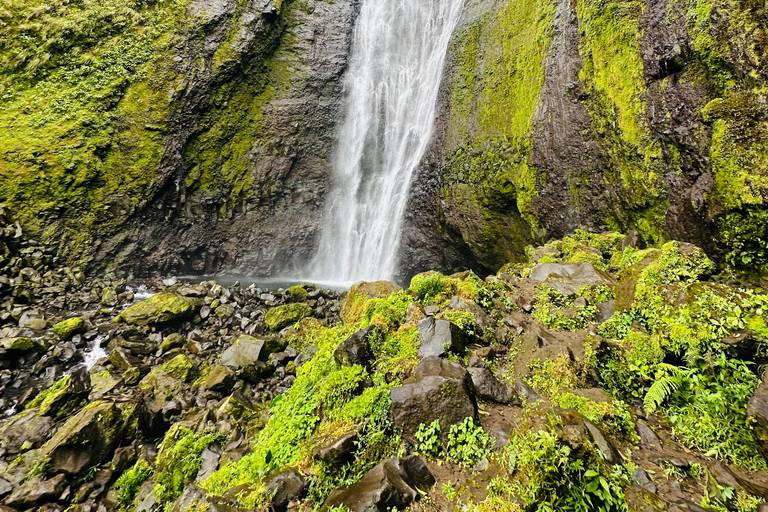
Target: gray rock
<point>491,389</point>
<point>356,350</point>
<point>481,317</point>
<point>567,278</point>
<point>210,462</point>
<point>439,390</point>
<point>641,478</point>
<point>648,438</point>
<point>438,337</point>
<point>286,486</point>
<point>244,351</point>
<point>25,427</point>
<point>395,483</point>
<point>35,491</point>
<point>338,452</point>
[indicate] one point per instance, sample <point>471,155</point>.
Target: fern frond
<point>660,390</point>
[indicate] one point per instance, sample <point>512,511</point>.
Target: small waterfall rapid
<point>398,54</point>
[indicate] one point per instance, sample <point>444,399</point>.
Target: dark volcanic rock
<point>395,483</point>
<point>339,451</point>
<point>356,349</point>
<point>286,486</point>
<point>758,412</point>
<point>439,390</point>
<point>488,387</point>
<point>438,337</point>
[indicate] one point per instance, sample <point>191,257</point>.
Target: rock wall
<point>203,149</point>
<point>560,114</point>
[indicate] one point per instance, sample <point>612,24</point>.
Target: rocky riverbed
<point>599,375</point>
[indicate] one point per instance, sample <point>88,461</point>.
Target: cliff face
<point>173,135</point>
<point>555,115</point>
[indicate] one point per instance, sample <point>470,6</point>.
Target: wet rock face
<point>440,337</point>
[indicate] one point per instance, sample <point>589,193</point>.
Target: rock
<point>601,442</point>
<point>20,343</point>
<point>246,351</point>
<point>286,486</point>
<point>491,389</point>
<point>26,427</point>
<point>395,483</point>
<point>181,367</point>
<point>59,399</point>
<point>124,360</point>
<point>284,316</point>
<point>542,252</point>
<point>439,390</point>
<point>158,309</point>
<point>85,439</point>
<point>414,313</point>
<point>481,317</point>
<point>371,290</point>
<point>210,462</point>
<point>438,337</point>
<point>648,438</point>
<point>758,412</point>
<point>431,310</point>
<point>36,490</point>
<point>338,452</point>
<point>69,327</point>
<point>219,379</point>
<point>641,478</point>
<point>191,498</point>
<point>356,350</point>
<point>567,278</point>
<point>173,340</point>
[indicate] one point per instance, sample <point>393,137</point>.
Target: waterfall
<point>392,82</point>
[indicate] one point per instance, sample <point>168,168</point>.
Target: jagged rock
<point>85,439</point>
<point>338,452</point>
<point>219,379</point>
<point>356,349</point>
<point>286,486</point>
<point>124,360</point>
<point>395,483</point>
<point>641,478</point>
<point>481,317</point>
<point>758,412</point>
<point>19,343</point>
<point>210,461</point>
<point>284,316</point>
<point>438,337</point>
<point>488,387</point>
<point>648,438</point>
<point>59,399</point>
<point>68,328</point>
<point>36,490</point>
<point>567,278</point>
<point>160,308</point>
<point>173,340</point>
<point>26,427</point>
<point>438,389</point>
<point>371,290</point>
<point>247,354</point>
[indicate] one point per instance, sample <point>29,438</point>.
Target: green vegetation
<point>56,398</point>
<point>467,442</point>
<point>129,483</point>
<point>327,400</point>
<point>67,328</point>
<point>287,315</point>
<point>178,460</point>
<point>181,367</point>
<point>160,308</point>
<point>557,310</point>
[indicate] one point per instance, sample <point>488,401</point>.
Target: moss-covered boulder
<point>284,316</point>
<point>64,396</point>
<point>18,343</point>
<point>181,367</point>
<point>367,290</point>
<point>69,327</point>
<point>85,440</point>
<point>160,308</point>
<point>299,292</point>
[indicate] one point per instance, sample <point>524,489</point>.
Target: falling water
<point>392,84</point>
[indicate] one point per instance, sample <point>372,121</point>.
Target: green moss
<point>181,367</point>
<point>557,310</point>
<point>298,293</point>
<point>19,343</point>
<point>283,316</point>
<point>69,327</point>
<point>57,398</point>
<point>129,483</point>
<point>160,308</point>
<point>612,75</point>
<point>178,460</point>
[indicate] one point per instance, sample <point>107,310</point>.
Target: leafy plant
<point>129,483</point>
<point>468,443</point>
<point>429,439</point>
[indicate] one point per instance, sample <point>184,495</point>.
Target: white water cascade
<point>398,54</point>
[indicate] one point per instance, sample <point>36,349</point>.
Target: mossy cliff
<point>132,133</point>
<point>621,114</point>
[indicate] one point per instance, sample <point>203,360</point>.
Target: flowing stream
<point>398,54</point>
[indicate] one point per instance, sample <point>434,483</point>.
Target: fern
<point>665,386</point>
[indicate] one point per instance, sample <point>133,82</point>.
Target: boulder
<point>758,412</point>
<point>356,350</point>
<point>395,483</point>
<point>219,379</point>
<point>247,351</point>
<point>286,486</point>
<point>439,390</point>
<point>491,389</point>
<point>18,343</point>
<point>284,316</point>
<point>85,439</point>
<point>36,490</point>
<point>481,317</point>
<point>567,278</point>
<point>59,399</point>
<point>27,427</point>
<point>158,309</point>
<point>69,327</point>
<point>370,290</point>
<point>438,337</point>
<point>338,452</point>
